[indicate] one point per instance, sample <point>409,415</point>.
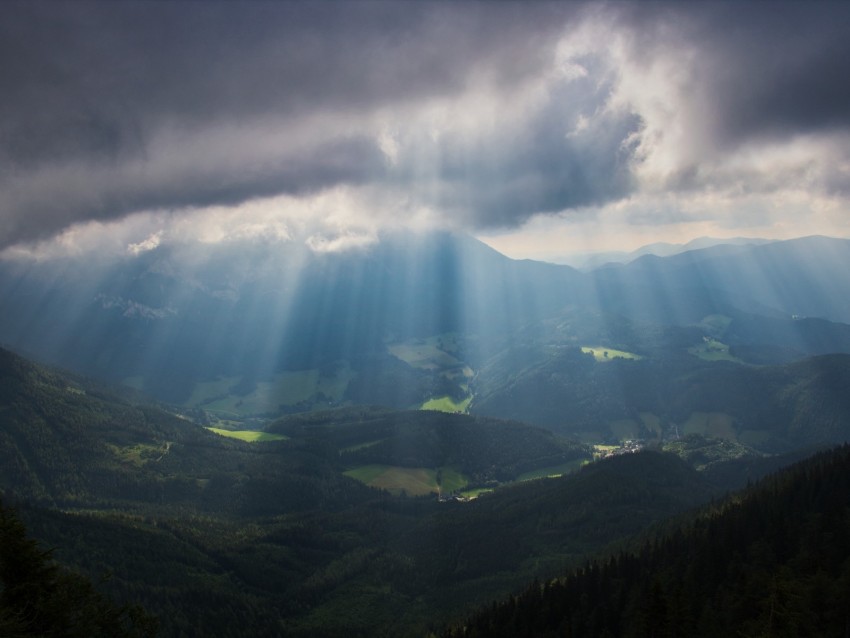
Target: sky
<point>542,129</point>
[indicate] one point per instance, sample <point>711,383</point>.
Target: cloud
<point>720,87</point>
<point>145,245</point>
<point>462,114</point>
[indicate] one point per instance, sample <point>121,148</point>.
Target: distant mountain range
<point>695,373</point>
<point>592,260</point>
<point>276,328</point>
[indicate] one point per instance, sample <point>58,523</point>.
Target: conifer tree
<point>40,598</point>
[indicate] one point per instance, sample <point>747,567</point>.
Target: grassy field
<point>599,450</point>
<point>552,472</point>
<point>446,404</point>
<point>284,388</point>
<point>251,436</point>
<point>603,353</point>
<point>414,481</point>
<point>712,350</point>
<point>717,425</point>
<point>423,354</point>
<point>437,355</point>
<point>475,492</point>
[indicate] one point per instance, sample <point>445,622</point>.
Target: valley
<point>291,472</point>
<point>424,319</point>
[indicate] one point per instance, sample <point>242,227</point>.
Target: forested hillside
<point>772,561</point>
<point>215,535</point>
<point>40,598</point>
<point>254,330</point>
<point>775,409</point>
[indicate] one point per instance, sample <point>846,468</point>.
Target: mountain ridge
<point>189,326</point>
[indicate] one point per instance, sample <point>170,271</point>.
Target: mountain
<point>771,561</point>
<point>356,512</point>
<point>256,329</point>
<point>66,443</point>
<point>175,317</point>
<point>777,408</point>
<point>215,536</point>
<point>794,278</point>
<point>69,443</point>
<point>487,451</point>
<point>591,261</point>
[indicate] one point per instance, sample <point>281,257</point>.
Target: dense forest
<point>41,599</point>
<point>771,561</point>
<point>215,535</point>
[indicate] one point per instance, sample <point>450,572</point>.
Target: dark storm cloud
<point>107,108</point>
<point>786,73</point>
<point>544,166</point>
<point>95,77</point>
<point>115,194</point>
<point>762,69</point>
<point>89,86</point>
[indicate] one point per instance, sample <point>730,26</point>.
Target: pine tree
<point>39,598</point>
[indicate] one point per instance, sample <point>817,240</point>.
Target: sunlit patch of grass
<point>427,354</point>
<point>475,492</point>
<point>447,404</point>
<point>284,388</point>
<point>413,481</point>
<point>712,350</point>
<point>601,450</point>
<point>250,436</point>
<point>602,353</point>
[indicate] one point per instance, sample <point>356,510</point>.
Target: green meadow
<point>432,353</point>
<point>436,354</point>
<point>414,481</point>
<point>284,388</point>
<point>250,436</point>
<point>603,353</point>
<point>447,404</point>
<point>712,350</point>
